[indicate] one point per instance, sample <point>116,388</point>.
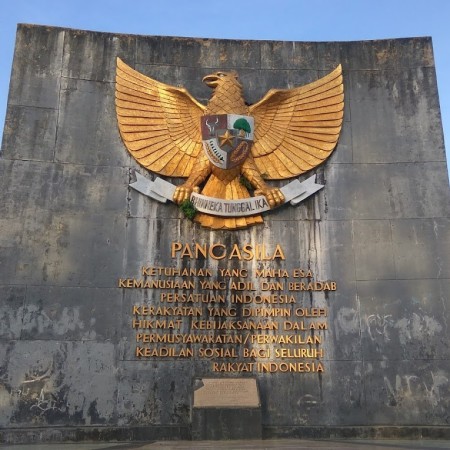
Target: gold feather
<point>159,124</point>
<point>297,129</point>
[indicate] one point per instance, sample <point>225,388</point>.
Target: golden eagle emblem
<point>287,133</point>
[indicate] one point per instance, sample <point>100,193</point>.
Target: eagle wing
<point>159,124</point>
<point>297,129</point>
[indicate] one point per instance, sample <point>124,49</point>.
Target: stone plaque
<point>226,392</point>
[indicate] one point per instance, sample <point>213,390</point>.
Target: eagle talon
<point>183,193</point>
<point>274,196</point>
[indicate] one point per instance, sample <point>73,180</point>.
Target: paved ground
<point>278,444</point>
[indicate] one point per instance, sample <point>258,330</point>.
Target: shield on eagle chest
<point>227,138</point>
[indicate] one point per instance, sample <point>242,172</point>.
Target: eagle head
<point>218,78</point>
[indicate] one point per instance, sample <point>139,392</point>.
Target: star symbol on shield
<point>226,138</point>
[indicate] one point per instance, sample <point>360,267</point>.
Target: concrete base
<point>183,433</point>
<point>226,423</point>
<point>93,434</point>
<point>357,432</point>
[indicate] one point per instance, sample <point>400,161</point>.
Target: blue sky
<point>296,20</point>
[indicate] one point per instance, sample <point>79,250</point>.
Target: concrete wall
<point>70,227</point>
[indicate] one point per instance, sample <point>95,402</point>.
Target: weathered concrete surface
<point>70,227</point>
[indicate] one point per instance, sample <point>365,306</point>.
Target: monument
<point>211,239</point>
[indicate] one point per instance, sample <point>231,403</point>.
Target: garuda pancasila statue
<point>288,132</point>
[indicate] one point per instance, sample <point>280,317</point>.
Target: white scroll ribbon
<point>161,190</point>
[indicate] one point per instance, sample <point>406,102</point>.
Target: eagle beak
<point>211,80</point>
